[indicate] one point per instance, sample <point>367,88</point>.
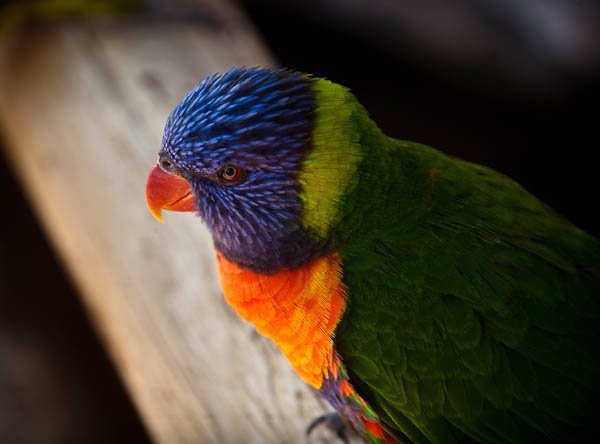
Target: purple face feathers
<point>260,120</point>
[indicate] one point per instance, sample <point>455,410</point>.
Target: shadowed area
<point>56,383</point>
<point>541,137</point>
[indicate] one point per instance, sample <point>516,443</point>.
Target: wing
<point>478,322</point>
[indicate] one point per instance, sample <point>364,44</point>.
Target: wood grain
<point>82,107</point>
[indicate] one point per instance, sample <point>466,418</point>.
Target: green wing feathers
<point>473,308</point>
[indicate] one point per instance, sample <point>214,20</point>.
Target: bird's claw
<point>334,422</point>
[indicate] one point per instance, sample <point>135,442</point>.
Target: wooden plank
<point>82,107</point>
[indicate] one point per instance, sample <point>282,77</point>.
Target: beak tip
<point>157,213</point>
<point>167,191</point>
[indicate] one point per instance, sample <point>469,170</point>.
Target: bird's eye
<point>165,164</point>
<point>230,173</point>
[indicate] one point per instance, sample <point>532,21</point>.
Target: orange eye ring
<point>230,173</point>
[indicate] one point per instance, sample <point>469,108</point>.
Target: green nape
<point>330,169</point>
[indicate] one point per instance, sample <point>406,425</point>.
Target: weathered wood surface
<point>82,107</point>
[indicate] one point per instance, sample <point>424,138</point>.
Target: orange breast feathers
<point>297,309</point>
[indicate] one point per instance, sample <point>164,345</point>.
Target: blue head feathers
<point>258,122</point>
<point>261,112</point>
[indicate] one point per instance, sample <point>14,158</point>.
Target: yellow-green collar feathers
<point>329,170</point>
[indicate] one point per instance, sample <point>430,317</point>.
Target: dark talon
<point>334,422</point>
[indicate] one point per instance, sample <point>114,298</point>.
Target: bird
<point>427,298</point>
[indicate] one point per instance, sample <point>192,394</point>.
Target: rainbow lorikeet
<point>429,299</point>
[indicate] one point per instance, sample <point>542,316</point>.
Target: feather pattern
<point>431,300</point>
<point>484,303</point>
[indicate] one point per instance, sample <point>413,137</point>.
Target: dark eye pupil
<point>165,163</point>
<point>230,173</point>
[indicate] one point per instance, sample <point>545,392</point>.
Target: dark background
<point>512,87</point>
<point>511,96</point>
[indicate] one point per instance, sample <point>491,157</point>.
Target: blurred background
<point>511,84</point>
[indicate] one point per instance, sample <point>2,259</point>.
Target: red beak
<point>164,190</point>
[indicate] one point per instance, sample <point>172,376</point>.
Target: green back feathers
<point>473,308</point>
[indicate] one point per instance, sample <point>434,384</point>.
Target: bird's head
<point>258,154</point>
